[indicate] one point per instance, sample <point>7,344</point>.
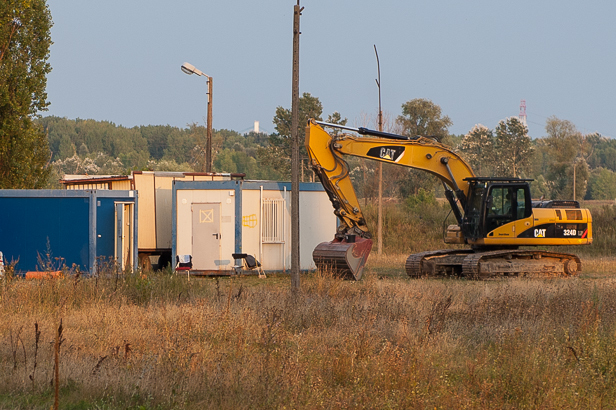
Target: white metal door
<point>206,236</point>
<point>123,250</point>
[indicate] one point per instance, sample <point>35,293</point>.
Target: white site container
<point>213,220</point>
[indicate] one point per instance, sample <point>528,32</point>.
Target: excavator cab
<point>494,202</point>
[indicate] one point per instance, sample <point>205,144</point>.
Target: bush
<point>422,200</point>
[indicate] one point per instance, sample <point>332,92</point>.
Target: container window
<point>273,211</point>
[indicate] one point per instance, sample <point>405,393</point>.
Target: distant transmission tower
<point>523,112</point>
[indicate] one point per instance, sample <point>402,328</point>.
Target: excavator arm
<point>352,243</point>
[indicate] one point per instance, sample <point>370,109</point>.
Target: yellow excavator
<point>495,216</point>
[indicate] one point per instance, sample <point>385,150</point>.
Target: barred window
<point>273,215</point>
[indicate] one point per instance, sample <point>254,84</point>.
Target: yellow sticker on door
<point>206,216</point>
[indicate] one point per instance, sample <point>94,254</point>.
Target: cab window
<point>500,207</point>
<point>500,201</point>
<point>521,203</point>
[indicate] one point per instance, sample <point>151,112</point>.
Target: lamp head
<point>188,68</point>
<point>191,69</point>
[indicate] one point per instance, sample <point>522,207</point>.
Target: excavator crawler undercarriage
<point>492,264</point>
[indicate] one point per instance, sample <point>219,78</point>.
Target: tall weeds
<point>159,341</point>
<point>410,227</point>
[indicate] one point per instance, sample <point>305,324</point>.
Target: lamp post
<point>191,69</point>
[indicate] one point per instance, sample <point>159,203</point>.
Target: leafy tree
<point>66,148</point>
<point>193,146</point>
<point>168,165</point>
<point>278,154</point>
<point>513,147</point>
<point>61,135</point>
<point>563,139</point>
<point>582,174</point>
<point>602,184</point>
<point>540,188</point>
<point>423,117</point>
<point>24,50</point>
<point>157,137</point>
<point>336,118</point>
<point>422,199</point>
<point>603,153</point>
<point>564,148</point>
<point>309,107</point>
<point>477,148</point>
<point>236,161</point>
<point>420,117</point>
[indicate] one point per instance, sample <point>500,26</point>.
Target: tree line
<point>101,147</point>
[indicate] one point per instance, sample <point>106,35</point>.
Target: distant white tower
<point>256,129</point>
<point>523,112</point>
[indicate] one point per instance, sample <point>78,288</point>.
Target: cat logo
<point>389,153</point>
<point>540,233</point>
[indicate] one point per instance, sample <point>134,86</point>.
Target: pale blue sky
<point>119,60</point>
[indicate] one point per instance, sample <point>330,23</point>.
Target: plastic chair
<point>183,263</point>
<point>249,263</point>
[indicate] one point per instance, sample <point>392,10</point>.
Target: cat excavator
<point>495,216</point>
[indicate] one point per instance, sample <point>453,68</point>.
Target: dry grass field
<point>157,341</point>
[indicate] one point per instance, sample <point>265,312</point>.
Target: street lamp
<point>191,69</point>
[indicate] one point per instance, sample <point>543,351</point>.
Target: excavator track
<point>492,264</point>
<point>427,263</point>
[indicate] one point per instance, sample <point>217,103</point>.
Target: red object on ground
<point>43,275</point>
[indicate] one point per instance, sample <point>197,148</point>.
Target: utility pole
<point>574,165</point>
<point>295,266</point>
<point>208,148</point>
<point>379,226</point>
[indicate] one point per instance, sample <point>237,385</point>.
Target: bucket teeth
<point>346,259</point>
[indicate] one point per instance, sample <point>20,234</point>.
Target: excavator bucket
<point>345,258</point>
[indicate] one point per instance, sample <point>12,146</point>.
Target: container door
<point>206,236</point>
<point>124,234</point>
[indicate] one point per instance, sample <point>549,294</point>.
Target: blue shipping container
<point>43,229</point>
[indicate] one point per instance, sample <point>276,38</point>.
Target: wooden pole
<point>208,149</point>
<point>295,165</point>
<point>574,165</point>
<point>379,226</point>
